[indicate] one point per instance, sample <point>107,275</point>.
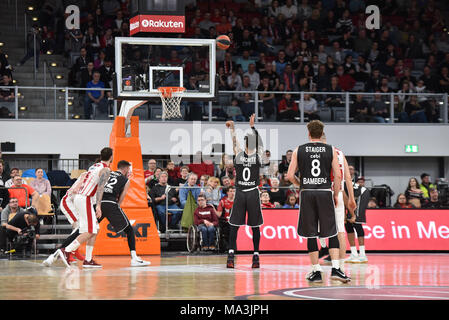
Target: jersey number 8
<point>315,171</point>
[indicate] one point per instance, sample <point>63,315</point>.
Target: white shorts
<point>68,209</point>
<point>86,214</point>
<point>340,213</point>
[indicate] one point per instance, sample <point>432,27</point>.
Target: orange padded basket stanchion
<point>135,204</point>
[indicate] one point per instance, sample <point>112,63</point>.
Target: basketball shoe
<point>314,276</point>
<point>256,263</point>
<point>230,262</point>
<point>339,275</point>
<point>65,256</point>
<point>91,264</point>
<point>138,262</point>
<point>363,259</point>
<point>353,259</point>
<point>51,259</point>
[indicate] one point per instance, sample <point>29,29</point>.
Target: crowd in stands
<point>285,45</point>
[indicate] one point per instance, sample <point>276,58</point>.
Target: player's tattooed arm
<point>104,176</point>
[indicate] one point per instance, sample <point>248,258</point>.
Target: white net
<point>171,101</point>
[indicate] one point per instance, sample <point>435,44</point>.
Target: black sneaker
<point>256,263</point>
<point>230,262</point>
<point>323,251</point>
<point>339,275</point>
<point>328,258</point>
<point>314,276</point>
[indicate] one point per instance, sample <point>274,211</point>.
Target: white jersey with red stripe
<point>90,183</point>
<point>341,164</point>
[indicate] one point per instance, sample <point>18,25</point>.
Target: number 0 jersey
<point>247,170</point>
<point>315,164</point>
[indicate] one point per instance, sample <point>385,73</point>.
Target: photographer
<point>20,231</point>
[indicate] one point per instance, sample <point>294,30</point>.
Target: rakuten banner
<point>387,229</point>
<point>157,23</point>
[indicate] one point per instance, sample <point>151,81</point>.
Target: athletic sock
<point>342,264</point>
<point>362,250</point>
<point>133,254</point>
<point>231,251</point>
<point>89,250</point>
<point>335,264</point>
<point>316,267</point>
<point>73,246</point>
<point>323,243</point>
<point>256,253</point>
<point>354,251</point>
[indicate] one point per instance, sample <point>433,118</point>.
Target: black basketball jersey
<point>315,164</point>
<point>247,170</point>
<point>114,186</point>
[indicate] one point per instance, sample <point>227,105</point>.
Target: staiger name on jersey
<point>315,149</point>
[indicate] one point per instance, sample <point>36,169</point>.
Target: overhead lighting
<point>14,81</point>
<point>30,8</point>
<point>34,19</point>
<point>49,52</point>
<point>76,116</point>
<point>62,90</point>
<point>59,77</point>
<point>69,103</point>
<point>54,64</point>
<point>2,44</point>
<point>23,108</point>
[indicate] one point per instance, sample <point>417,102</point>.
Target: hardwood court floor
<point>196,277</point>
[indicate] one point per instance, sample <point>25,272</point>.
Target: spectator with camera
<point>20,230</point>
<point>205,217</point>
<point>10,210</point>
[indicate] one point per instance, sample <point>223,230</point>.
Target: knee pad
<point>349,227</point>
<point>359,229</point>
<point>312,245</point>
<point>334,243</point>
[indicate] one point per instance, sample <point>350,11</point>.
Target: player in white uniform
<point>67,207</point>
<point>340,215</point>
<point>91,190</point>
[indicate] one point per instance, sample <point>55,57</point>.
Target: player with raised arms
<point>247,200</point>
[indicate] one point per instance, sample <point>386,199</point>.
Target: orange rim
<point>167,92</point>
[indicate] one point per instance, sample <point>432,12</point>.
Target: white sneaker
<point>353,259</point>
<point>363,259</point>
<point>51,258</point>
<point>139,262</point>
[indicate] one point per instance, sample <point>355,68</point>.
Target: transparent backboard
<point>144,64</point>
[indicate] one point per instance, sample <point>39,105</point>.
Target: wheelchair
<point>195,239</point>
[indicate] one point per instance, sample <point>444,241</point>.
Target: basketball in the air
<point>223,42</point>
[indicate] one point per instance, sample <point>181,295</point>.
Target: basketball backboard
<point>144,64</point>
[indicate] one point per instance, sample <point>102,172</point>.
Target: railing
<point>51,164</point>
<point>336,113</point>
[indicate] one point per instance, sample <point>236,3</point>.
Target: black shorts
<point>316,214</point>
<point>115,215</point>
<point>246,201</point>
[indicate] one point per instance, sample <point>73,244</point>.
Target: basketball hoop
<point>171,101</point>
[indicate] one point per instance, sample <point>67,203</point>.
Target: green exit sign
<point>411,148</point>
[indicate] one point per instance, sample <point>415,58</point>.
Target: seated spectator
<point>276,194</point>
<point>10,182</point>
<point>434,202</point>
<point>254,77</point>
<point>228,64</point>
<point>425,185</point>
<point>100,60</point>
<point>234,80</point>
<point>155,178</point>
<point>359,110</point>
<point>402,202</point>
<point>107,72</point>
<point>234,112</point>
<point>331,66</point>
<point>40,184</point>
<point>372,203</point>
<point>280,62</point>
<point>413,112</point>
<point>288,109</point>
<point>413,193</point>
<point>430,81</point>
<point>334,100</point>
<point>3,174</point>
<point>378,109</point>
<point>159,193</point>
<point>189,186</point>
<point>224,27</point>
<point>16,191</point>
<point>344,24</point>
<point>284,181</point>
<point>87,75</point>
<point>265,200</point>
<point>268,99</point>
<point>224,213</point>
<point>245,86</point>
<point>91,41</point>
<point>205,217</point>
<point>7,94</point>
<point>405,88</point>
<point>184,172</point>
<point>203,181</point>
<point>407,77</point>
<point>246,43</point>
<point>172,173</point>
<point>95,96</point>
<point>10,210</point>
<point>212,191</point>
<point>285,163</point>
<point>360,181</point>
<point>149,173</point>
<point>200,166</point>
<point>263,183</point>
<point>310,108</point>
<point>443,80</point>
<point>289,10</point>
<point>291,203</point>
<point>245,60</point>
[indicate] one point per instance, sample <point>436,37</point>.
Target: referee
<point>114,192</point>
